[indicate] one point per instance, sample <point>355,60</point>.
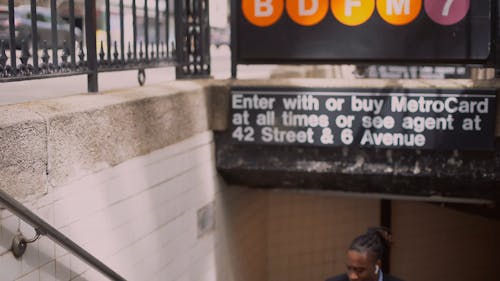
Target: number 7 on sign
<point>447,12</point>
<point>446,8</point>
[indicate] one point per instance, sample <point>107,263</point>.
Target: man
<point>364,257</point>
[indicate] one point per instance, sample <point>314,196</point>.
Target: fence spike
<point>66,53</point>
<point>101,52</point>
<point>81,54</point>
<point>115,53</point>
<point>172,50</point>
<point>25,53</point>
<point>3,55</point>
<point>129,52</point>
<point>3,59</point>
<point>24,68</point>
<point>141,53</point>
<point>45,55</point>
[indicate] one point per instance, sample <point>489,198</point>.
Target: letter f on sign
<point>308,12</point>
<point>263,8</point>
<point>348,6</point>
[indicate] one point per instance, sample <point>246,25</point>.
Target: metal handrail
<point>43,228</point>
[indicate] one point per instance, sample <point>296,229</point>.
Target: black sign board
<point>385,118</point>
<point>385,31</point>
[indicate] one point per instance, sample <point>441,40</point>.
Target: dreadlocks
<point>376,241</point>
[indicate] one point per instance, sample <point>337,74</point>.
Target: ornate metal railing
<point>118,35</point>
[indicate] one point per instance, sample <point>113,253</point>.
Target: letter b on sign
<point>262,12</point>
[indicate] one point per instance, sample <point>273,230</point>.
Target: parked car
<point>22,23</point>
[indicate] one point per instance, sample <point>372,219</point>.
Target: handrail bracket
<point>20,243</point>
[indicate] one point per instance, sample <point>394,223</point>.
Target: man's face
<point>360,267</point>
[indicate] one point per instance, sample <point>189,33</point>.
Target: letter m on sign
<point>398,7</point>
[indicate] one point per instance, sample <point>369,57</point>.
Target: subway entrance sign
<point>366,118</point>
<point>362,31</point>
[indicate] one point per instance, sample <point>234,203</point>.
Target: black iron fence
<point>73,37</point>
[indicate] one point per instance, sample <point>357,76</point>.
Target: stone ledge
<point>54,142</point>
<point>23,147</point>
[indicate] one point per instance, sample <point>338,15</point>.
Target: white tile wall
<point>48,272</point>
<point>139,217</point>
<point>63,270</point>
<point>11,268</point>
<point>32,276</point>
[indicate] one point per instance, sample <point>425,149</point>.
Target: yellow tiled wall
<point>436,243</point>
<point>308,234</point>
<point>242,234</point>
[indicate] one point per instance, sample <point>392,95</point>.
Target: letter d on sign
<point>307,12</point>
<point>262,12</point>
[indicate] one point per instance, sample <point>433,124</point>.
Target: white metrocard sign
<point>387,118</point>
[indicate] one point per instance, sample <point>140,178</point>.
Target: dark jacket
<point>344,277</point>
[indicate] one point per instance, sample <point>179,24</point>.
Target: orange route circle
<point>262,13</point>
<point>399,12</point>
<point>307,12</point>
<point>352,12</point>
